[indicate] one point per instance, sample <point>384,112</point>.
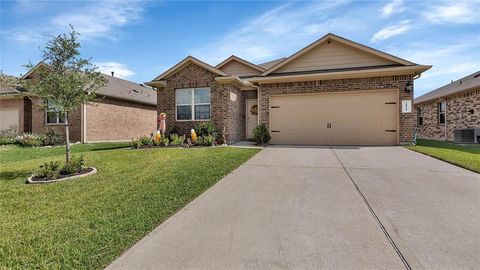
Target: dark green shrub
<point>49,170</point>
<point>176,140</point>
<point>144,140</point>
<point>261,134</point>
<point>205,128</point>
<point>74,166</point>
<point>29,140</point>
<point>50,136</point>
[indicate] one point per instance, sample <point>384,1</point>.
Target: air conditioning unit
<point>467,135</point>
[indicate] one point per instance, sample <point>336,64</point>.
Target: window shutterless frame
<point>419,116</point>
<point>442,107</point>
<point>192,103</point>
<point>51,111</point>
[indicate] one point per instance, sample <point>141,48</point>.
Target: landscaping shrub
<point>8,136</point>
<point>176,140</point>
<point>144,140</point>
<point>30,140</point>
<point>51,136</point>
<point>164,140</point>
<point>261,134</point>
<point>208,140</point>
<point>74,166</point>
<point>205,128</point>
<point>135,143</point>
<point>49,170</point>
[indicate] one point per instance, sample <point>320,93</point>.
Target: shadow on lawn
<point>10,175</point>
<point>114,147</point>
<point>472,149</point>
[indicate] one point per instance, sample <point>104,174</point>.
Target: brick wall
<point>406,121</point>
<point>119,120</point>
<point>226,101</point>
<point>458,115</point>
<point>39,121</point>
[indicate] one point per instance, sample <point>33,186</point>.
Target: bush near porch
<point>86,223</point>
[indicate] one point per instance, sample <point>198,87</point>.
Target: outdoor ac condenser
<point>467,135</point>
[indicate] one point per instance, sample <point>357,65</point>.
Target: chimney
<point>113,73</point>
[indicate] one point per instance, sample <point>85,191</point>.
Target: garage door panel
<point>356,118</point>
<point>9,116</point>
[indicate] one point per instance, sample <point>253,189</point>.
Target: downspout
<point>446,109</point>
<point>84,124</point>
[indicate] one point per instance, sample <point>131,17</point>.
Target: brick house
<point>453,106</point>
<point>122,110</point>
<point>332,92</point>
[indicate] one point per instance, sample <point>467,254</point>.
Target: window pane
<point>443,106</point>
<point>202,112</point>
<point>61,118</point>
<point>184,112</point>
<point>183,96</point>
<point>420,121</point>
<point>51,117</point>
<point>442,118</point>
<point>202,95</point>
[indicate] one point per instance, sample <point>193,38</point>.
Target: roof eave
<point>416,69</point>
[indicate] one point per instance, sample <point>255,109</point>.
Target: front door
<point>252,116</point>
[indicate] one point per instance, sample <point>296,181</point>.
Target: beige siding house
<point>123,110</point>
<point>453,106</point>
<point>332,92</point>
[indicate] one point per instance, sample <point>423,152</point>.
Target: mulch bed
<point>42,180</point>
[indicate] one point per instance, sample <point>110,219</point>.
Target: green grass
<point>466,156</point>
<point>87,222</point>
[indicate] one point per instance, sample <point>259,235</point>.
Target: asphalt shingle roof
<point>469,82</point>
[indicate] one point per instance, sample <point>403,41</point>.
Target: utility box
<point>467,135</point>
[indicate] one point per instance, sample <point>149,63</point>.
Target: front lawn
<point>466,156</point>
<point>86,223</point>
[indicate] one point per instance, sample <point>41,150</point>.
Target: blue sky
<point>140,39</point>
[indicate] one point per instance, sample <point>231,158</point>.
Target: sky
<point>141,39</point>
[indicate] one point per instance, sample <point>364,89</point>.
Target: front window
<point>442,107</point>
<point>192,104</point>
<point>419,116</point>
<point>53,115</point>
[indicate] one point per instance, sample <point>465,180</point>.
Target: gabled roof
<point>127,90</point>
<point>238,59</point>
<point>189,59</point>
<point>272,63</point>
<point>464,84</point>
<point>343,41</point>
<point>118,88</point>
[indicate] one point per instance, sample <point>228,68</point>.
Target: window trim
<point>57,114</point>
<point>439,112</point>
<point>419,116</point>
<point>192,104</point>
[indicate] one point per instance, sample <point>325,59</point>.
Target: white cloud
<point>95,19</point>
<point>101,19</point>
<point>449,61</point>
<point>277,32</point>
<point>120,70</point>
<point>456,12</point>
<point>394,7</point>
<point>391,30</point>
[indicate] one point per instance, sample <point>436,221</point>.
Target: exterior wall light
<point>408,86</point>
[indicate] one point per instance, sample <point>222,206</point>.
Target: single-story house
<point>332,92</point>
<point>122,110</point>
<point>453,106</point>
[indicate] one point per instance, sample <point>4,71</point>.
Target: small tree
<point>64,79</point>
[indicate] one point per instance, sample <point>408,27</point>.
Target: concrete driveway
<point>324,208</point>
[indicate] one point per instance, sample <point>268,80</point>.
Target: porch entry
<point>251,112</point>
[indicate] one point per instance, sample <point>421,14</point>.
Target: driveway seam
<point>380,224</point>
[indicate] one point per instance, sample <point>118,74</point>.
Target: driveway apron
<point>324,208</point>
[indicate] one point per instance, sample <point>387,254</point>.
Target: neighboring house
<point>332,92</point>
<point>452,106</point>
<point>123,110</point>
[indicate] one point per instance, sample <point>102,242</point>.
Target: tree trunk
<point>67,139</point>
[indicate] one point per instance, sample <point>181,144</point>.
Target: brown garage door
<point>346,118</point>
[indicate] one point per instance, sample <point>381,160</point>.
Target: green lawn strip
<point>466,156</point>
<point>86,223</point>
<point>13,153</point>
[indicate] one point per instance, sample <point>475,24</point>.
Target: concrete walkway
<point>324,208</point>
